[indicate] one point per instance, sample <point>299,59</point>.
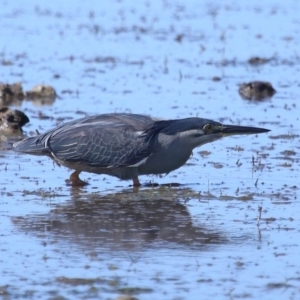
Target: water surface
<point>170,60</point>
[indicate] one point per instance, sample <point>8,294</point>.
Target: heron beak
<point>234,130</point>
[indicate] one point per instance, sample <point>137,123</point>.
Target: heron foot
<point>75,180</point>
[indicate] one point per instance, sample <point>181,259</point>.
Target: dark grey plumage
<point>126,145</point>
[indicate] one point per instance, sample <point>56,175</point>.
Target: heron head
<point>198,131</point>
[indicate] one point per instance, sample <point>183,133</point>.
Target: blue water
<point>201,239</point>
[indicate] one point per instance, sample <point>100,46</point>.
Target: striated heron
<point>127,145</point>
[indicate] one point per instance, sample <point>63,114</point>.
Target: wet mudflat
<point>229,226</point>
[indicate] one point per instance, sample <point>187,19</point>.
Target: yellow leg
<point>136,181</point>
<point>75,180</point>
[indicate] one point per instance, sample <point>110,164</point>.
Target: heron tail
<point>32,145</point>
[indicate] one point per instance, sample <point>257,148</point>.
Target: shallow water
<point>202,237</point>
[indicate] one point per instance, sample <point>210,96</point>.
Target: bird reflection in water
<point>122,221</point>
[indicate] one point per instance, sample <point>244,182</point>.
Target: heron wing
<point>99,146</point>
<point>107,140</point>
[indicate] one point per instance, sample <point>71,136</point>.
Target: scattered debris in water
<point>258,60</point>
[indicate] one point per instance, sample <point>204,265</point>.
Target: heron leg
<point>75,180</point>
<point>136,181</point>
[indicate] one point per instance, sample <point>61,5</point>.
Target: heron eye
<point>207,127</point>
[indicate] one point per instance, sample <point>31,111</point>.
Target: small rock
<point>11,92</point>
<point>256,90</point>
<point>258,60</point>
<point>11,121</point>
<point>126,297</point>
<point>41,91</point>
